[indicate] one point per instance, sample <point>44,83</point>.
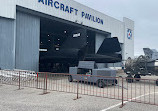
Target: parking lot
<point>30,99</point>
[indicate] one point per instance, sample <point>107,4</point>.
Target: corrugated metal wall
<point>27,41</point>
<point>7,43</point>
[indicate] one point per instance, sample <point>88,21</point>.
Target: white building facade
<point>12,12</point>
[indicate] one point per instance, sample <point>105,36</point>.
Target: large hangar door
<point>27,41</point>
<point>7,39</point>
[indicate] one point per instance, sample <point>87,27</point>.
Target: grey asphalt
<point>30,99</point>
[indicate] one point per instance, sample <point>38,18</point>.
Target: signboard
<point>71,10</point>
<point>129,34</point>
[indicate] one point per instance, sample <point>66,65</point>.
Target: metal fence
<point>18,78</point>
<point>140,90</point>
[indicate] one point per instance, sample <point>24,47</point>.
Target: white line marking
<point>127,101</point>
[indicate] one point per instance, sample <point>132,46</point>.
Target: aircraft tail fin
<point>109,45</point>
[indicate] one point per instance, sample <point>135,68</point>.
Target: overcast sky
<point>143,12</point>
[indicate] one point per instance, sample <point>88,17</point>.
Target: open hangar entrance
<point>56,35</point>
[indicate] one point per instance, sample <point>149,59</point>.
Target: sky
<point>143,12</point>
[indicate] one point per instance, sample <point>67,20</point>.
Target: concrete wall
<point>27,42</point>
<point>7,43</point>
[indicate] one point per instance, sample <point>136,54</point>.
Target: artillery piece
<point>142,66</point>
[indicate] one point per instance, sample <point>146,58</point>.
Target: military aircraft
<point>152,54</point>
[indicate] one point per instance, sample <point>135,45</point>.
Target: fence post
<point>45,84</point>
<point>19,80</point>
<point>77,90</point>
<point>122,94</point>
<point>37,80</point>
